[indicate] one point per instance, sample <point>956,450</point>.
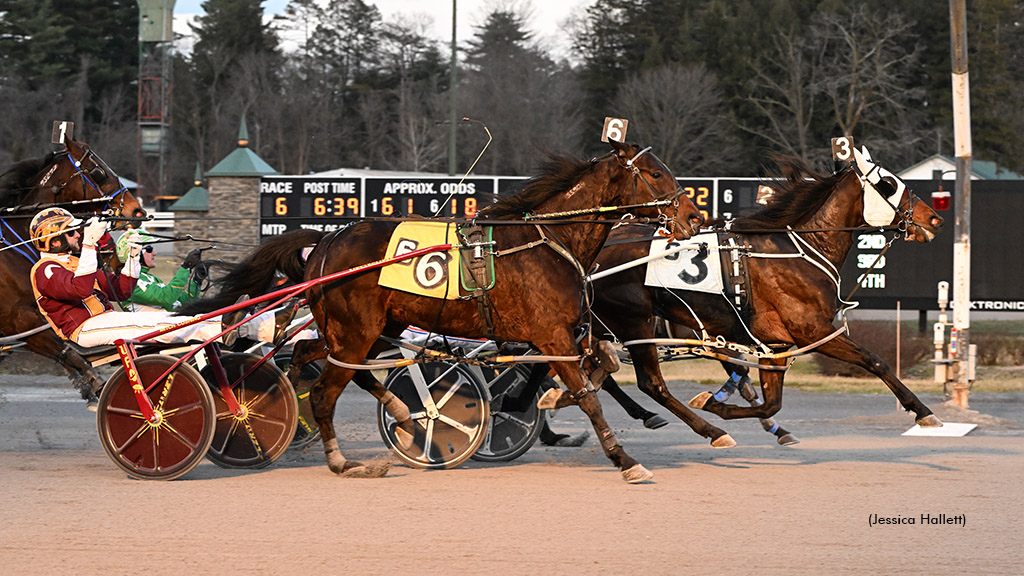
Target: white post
<point>962,226</point>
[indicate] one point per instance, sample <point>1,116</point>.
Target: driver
<point>151,293</point>
<point>74,296</point>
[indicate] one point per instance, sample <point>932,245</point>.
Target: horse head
<point>77,173</point>
<point>653,181</point>
<point>888,201</point>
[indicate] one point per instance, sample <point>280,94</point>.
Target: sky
<point>548,19</point>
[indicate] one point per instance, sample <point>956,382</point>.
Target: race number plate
<point>699,269</point>
<point>63,132</point>
<point>614,129</point>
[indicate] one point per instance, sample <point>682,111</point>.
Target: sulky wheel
<point>262,432</point>
<point>177,440</point>
<point>515,422</point>
<point>448,431</point>
<point>306,431</point>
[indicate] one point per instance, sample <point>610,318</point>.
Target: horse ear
<point>863,161</point>
<point>621,148</point>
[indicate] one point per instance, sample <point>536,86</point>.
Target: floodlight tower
<point>156,65</point>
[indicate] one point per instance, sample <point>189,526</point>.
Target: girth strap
<point>473,260</point>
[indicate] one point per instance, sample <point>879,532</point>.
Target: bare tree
<point>680,112</point>
<point>784,87</point>
<point>867,79</point>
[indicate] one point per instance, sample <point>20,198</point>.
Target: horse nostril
<point>936,221</point>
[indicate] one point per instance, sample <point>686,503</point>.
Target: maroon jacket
<point>67,300</point>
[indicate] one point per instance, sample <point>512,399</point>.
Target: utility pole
<point>962,226</point>
<point>452,89</point>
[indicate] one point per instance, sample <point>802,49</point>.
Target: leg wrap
<point>398,410</point>
<point>727,388</point>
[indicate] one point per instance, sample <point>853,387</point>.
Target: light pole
<point>452,89</point>
<point>962,224</point>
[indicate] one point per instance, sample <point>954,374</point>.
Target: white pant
<point>110,326</point>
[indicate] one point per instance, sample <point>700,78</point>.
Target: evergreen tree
<point>518,92</point>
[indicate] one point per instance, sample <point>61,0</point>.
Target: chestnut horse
<point>538,298</point>
<point>792,301</point>
<point>65,178</point>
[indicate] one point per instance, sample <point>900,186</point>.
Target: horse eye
<point>656,175</point>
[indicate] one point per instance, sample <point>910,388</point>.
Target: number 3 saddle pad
<point>436,274</point>
<point>698,269</point>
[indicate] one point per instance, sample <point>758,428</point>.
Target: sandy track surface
<point>755,509</point>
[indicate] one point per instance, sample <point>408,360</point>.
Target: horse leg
<point>771,388</point>
<point>842,348</point>
<point>323,397</point>
<point>651,382</point>
<point>739,381</point>
<point>80,372</point>
<point>632,407</point>
<point>632,471</point>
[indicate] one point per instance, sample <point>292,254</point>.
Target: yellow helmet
<point>49,224</point>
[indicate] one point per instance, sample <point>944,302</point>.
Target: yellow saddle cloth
<point>435,274</point>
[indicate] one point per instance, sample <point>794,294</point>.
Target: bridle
<point>904,210</point>
<point>667,199</point>
<point>99,172</point>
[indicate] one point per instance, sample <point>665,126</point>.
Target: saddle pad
<point>699,269</point>
<point>436,274</point>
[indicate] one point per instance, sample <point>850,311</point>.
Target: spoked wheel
<point>306,431</point>
<point>262,432</point>
<point>450,429</point>
<point>515,422</point>
<point>177,440</point>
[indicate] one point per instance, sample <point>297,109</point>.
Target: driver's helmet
<point>131,236</point>
<point>48,225</point>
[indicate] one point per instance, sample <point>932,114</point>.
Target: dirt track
<point>754,509</point>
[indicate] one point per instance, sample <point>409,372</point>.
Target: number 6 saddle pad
<point>435,274</point>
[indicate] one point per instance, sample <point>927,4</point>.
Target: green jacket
<point>151,291</point>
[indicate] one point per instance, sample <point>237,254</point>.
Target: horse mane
<point>557,174</point>
<point>799,192</point>
<point>18,179</point>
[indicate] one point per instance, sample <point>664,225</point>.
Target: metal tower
<point>156,65</point>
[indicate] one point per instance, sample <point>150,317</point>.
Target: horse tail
<point>257,273</point>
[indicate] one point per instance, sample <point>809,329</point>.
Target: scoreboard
<point>908,272</point>
<point>325,203</point>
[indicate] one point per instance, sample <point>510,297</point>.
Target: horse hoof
<point>655,422</point>
<point>371,470</point>
<point>637,475</point>
<point>699,401</point>
<point>723,441</point>
<point>403,438</point>
<point>573,442</point>
<point>550,399</point>
<point>929,421</point>
<point>337,463</point>
<point>607,358</point>
<point>788,440</point>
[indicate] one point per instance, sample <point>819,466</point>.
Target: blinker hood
<point>882,189</point>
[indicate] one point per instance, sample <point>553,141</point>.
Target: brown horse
<point>538,297</point>
<point>791,301</point>
<point>65,177</point>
